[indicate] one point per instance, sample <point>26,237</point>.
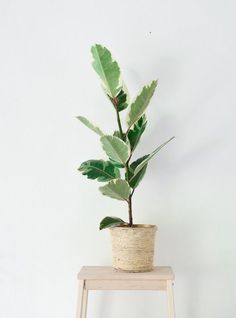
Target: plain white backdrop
<point>50,213</point>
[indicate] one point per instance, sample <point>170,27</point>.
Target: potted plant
<point>132,244</point>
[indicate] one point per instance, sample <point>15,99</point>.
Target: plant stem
<point>130,196</point>
<point>123,137</point>
<point>119,125</point>
<point>114,101</point>
<point>130,210</point>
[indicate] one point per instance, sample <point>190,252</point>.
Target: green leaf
<point>134,179</point>
<point>135,163</point>
<point>90,125</point>
<point>145,161</point>
<point>110,221</point>
<point>116,164</point>
<point>115,148</point>
<point>121,100</point>
<point>125,90</point>
<point>117,189</point>
<point>138,107</point>
<point>136,132</point>
<point>107,69</point>
<point>100,170</point>
<point>118,134</point>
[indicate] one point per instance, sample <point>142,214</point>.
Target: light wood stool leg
<point>82,300</point>
<point>170,299</point>
<point>85,302</point>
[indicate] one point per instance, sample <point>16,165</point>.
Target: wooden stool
<point>106,278</point>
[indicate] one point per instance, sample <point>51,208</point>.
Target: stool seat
<point>107,272</point>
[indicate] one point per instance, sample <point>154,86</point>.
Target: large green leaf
<point>117,189</point>
<point>145,161</point>
<point>135,133</point>
<point>134,179</point>
<point>107,69</point>
<point>100,170</point>
<point>138,107</point>
<point>90,125</point>
<point>115,148</point>
<point>110,221</point>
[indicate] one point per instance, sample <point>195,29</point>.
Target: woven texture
<point>133,247</point>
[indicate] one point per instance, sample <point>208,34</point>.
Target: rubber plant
<point>120,146</point>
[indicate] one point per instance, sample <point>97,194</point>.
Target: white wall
<point>50,213</point>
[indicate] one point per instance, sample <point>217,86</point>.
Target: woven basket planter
<point>133,247</point>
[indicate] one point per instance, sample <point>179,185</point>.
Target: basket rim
<point>135,226</point>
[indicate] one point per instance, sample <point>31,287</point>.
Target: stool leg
<point>85,301</point>
<point>82,300</point>
<point>170,299</point>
